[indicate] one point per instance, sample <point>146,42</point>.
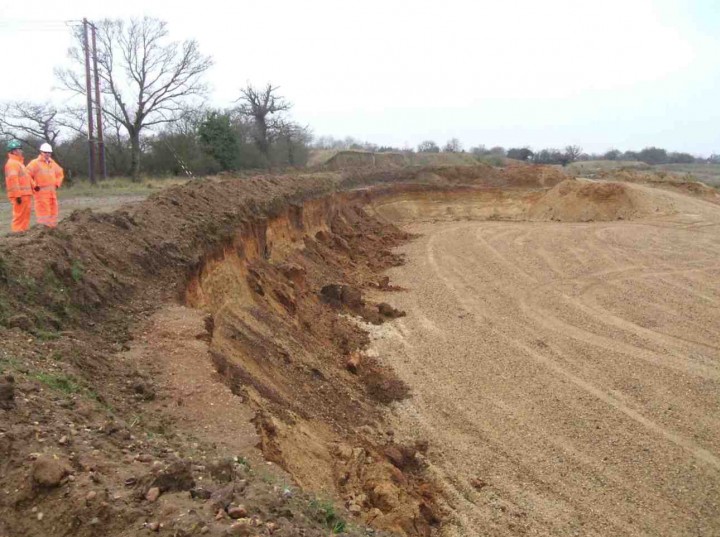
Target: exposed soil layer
<point>281,343</point>
<point>572,200</point>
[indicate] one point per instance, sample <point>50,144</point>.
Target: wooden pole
<point>98,109</point>
<point>88,92</point>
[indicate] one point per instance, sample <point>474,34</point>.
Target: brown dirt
<point>577,200</point>
<point>105,374</point>
<point>572,200</point>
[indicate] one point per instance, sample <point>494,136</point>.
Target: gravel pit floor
<point>567,374</point>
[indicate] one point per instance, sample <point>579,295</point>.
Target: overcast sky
<point>617,73</point>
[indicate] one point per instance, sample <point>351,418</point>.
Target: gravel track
<point>567,374</point>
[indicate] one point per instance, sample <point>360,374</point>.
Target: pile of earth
<point>514,175</point>
<point>579,200</point>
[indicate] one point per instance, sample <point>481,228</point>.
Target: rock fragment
<point>153,494</point>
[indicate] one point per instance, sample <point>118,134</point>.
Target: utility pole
<point>98,107</point>
<point>88,83</point>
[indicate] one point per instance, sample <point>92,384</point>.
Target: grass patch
<point>59,382</point>
<point>442,159</point>
<point>76,271</point>
<point>242,461</point>
<point>492,160</point>
<point>8,364</point>
<point>120,186</point>
<point>704,172</point>
<point>3,270</point>
<point>707,173</point>
<point>100,400</point>
<point>324,512</point>
<point>46,335</point>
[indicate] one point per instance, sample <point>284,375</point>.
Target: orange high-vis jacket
<point>46,174</point>
<point>17,179</point>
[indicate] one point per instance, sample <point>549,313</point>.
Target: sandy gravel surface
<point>567,374</point>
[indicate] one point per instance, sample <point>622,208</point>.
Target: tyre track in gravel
<point>580,420</point>
<point>606,345</point>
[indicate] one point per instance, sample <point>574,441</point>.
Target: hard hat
<point>13,144</point>
<point>46,148</point>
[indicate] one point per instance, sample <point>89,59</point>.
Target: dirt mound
<point>365,159</point>
<point>576,200</point>
<point>533,176</point>
<point>480,175</point>
<point>698,189</point>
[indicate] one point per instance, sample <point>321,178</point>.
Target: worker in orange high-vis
<point>19,185</point>
<point>47,178</point>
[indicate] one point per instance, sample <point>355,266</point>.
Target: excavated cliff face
<point>279,265</point>
<point>283,346</point>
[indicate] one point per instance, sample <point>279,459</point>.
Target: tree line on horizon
<point>571,153</point>
<point>156,117</point>
<point>157,120</point>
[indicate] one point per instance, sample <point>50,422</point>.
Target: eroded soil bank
<point>101,430</point>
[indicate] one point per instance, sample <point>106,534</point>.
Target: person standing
<point>19,186</point>
<point>47,177</point>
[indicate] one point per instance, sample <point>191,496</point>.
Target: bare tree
<point>573,152</point>
<point>428,146</point>
<point>30,122</point>
<point>294,136</point>
<point>453,145</point>
<point>260,105</point>
<point>145,80</point>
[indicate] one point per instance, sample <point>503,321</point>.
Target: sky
<point>623,74</point>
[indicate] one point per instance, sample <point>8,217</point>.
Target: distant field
<point>319,157</point>
<point>442,159</point>
<point>707,173</point>
<point>595,166</point>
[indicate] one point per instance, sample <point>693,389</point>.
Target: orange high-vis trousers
<point>46,210</point>
<point>21,213</point>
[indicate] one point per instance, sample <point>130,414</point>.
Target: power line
<point>37,25</point>
<point>38,21</point>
